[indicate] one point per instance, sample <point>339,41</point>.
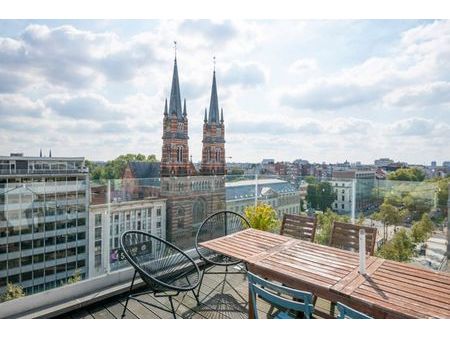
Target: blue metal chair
<point>346,312</point>
<point>300,301</point>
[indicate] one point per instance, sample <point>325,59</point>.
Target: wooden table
<point>387,290</point>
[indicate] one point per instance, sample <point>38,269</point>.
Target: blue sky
<point>319,90</point>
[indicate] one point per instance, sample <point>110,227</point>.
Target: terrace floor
<point>218,301</point>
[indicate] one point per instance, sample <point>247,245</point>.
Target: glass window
<point>38,258</point>
<point>61,239</point>
<point>60,268</point>
<point>49,241</point>
<point>27,260</point>
<point>158,212</point>
<point>49,256</point>
<point>81,249</point>
<point>26,245</point>
<point>98,233</point>
<point>49,226</point>
<point>81,235</point>
<point>98,219</point>
<point>50,271</point>
<point>38,273</point>
<point>27,276</point>
<point>61,254</point>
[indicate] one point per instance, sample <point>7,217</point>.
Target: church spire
<point>165,109</point>
<point>184,109</point>
<point>206,116</point>
<point>175,96</point>
<point>214,104</point>
<point>221,115</point>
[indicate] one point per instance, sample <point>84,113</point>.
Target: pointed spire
<point>206,118</point>
<point>50,153</point>
<point>214,103</point>
<point>40,152</point>
<point>175,96</point>
<point>221,115</point>
<point>165,109</point>
<point>184,109</point>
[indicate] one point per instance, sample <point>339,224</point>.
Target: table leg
<point>250,305</point>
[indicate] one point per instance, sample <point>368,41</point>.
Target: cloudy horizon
<point>317,90</point>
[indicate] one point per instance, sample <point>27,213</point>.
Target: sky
<point>317,90</point>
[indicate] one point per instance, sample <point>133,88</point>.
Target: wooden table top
<point>388,289</point>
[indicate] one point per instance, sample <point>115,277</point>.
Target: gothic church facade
<point>191,195</point>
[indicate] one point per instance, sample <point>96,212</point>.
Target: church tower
<point>175,149</point>
<point>213,152</point>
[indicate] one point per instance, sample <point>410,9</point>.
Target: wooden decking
<point>221,303</point>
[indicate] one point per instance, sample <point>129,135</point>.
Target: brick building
<point>191,195</point>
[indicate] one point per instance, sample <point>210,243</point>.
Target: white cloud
<point>19,105</point>
<point>244,74</point>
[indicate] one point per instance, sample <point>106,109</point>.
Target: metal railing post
<point>354,200</point>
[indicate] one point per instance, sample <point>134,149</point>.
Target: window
<point>343,206</point>
<point>199,210</point>
<point>343,198</point>
<point>98,233</point>
<point>158,212</point>
<point>26,260</point>
<point>38,258</point>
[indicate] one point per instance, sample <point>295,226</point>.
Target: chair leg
<point>332,308</point>
<point>173,308</point>
<point>129,294</point>
<point>199,286</point>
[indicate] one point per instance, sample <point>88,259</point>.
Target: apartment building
<point>43,221</point>
<point>108,222</point>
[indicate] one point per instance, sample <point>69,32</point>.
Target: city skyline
<point>331,90</point>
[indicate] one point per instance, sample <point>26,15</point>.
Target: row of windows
<point>46,272</point>
<point>40,227</point>
<point>39,258</point>
<point>42,242</point>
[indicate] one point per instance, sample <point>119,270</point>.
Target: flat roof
<point>38,158</point>
<point>253,182</point>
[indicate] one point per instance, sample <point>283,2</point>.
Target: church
<point>191,194</point>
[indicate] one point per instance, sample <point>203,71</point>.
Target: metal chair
<point>220,224</point>
<point>288,308</point>
<point>346,312</point>
<point>165,268</point>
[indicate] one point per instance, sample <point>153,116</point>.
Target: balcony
<point>174,212</point>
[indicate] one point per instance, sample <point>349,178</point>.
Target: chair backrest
<point>346,312</point>
<point>297,226</point>
<point>346,236</point>
<point>159,263</point>
<point>220,224</point>
<point>271,293</point>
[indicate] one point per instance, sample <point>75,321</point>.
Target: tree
<point>325,225</point>
<point>400,248</point>
<point>76,277</point>
<point>422,229</point>
<point>262,217</point>
<point>310,180</point>
<point>114,169</point>
<point>389,215</point>
<point>321,195</point>
<point>12,291</point>
<point>407,174</point>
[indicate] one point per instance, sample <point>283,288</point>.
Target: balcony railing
<point>173,208</point>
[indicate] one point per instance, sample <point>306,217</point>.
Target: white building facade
<point>108,222</point>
